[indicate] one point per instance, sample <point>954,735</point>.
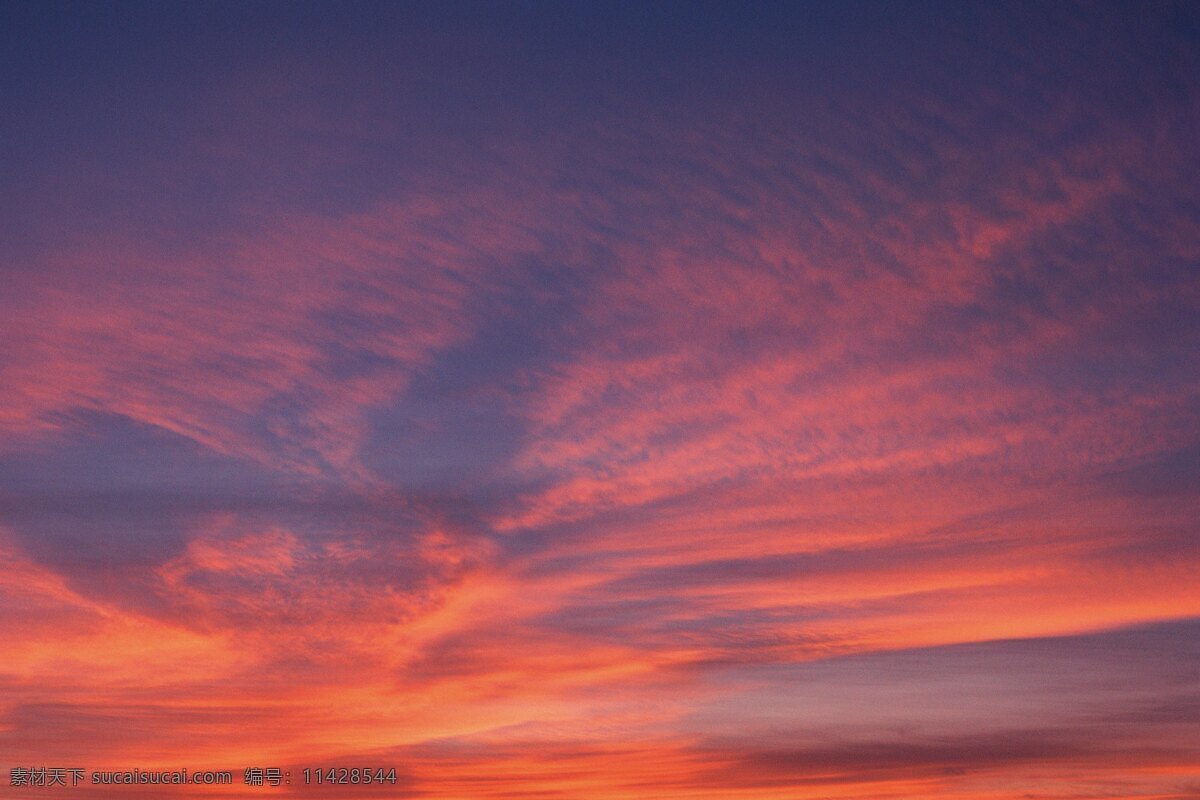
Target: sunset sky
<point>603,401</point>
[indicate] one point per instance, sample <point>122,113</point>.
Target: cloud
<point>820,428</point>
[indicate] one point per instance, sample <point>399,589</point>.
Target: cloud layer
<point>795,407</point>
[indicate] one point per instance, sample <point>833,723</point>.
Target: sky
<point>597,401</point>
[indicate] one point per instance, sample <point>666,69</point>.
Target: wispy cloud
<point>818,425</point>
